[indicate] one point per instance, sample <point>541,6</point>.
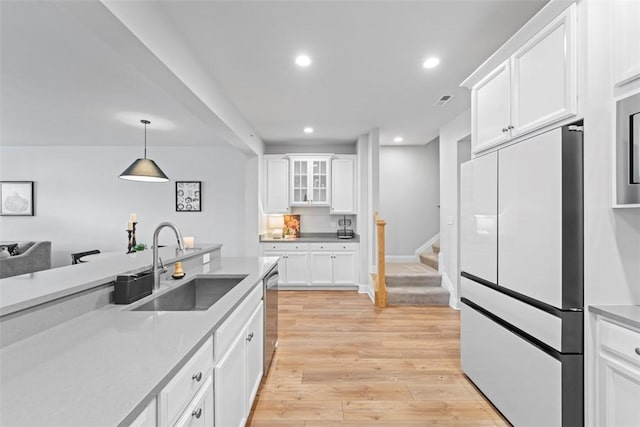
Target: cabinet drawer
<point>333,247</point>
<point>621,340</point>
<point>200,411</point>
<point>226,334</point>
<point>285,247</point>
<point>184,385</point>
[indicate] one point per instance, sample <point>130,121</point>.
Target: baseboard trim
<point>453,293</point>
<point>400,258</point>
<point>318,288</point>
<point>427,245</point>
<point>366,288</point>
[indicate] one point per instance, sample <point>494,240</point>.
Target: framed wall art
<point>188,196</point>
<point>626,152</point>
<point>17,198</point>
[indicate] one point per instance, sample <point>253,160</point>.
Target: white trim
<point>427,245</point>
<point>453,294</point>
<point>366,288</point>
<point>400,258</point>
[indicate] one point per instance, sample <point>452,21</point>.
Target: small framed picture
<point>188,196</point>
<point>17,198</point>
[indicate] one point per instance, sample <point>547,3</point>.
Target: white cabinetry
<point>535,87</point>
<point>179,392</point>
<point>238,367</point>
<point>277,184</point>
<point>626,41</point>
<point>333,264</point>
<point>618,374</point>
<point>200,412</point>
<point>293,265</point>
<point>148,417</point>
<point>479,217</point>
<point>310,181</point>
<point>343,185</point>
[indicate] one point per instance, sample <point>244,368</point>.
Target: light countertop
<point>310,238</point>
<point>104,367</point>
<point>27,290</point>
<point>626,314</point>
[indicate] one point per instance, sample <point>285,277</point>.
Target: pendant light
<point>144,169</point>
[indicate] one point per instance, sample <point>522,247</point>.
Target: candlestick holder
<point>133,236</point>
<point>129,245</point>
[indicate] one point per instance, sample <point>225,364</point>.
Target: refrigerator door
<point>540,218</point>
<point>479,217</point>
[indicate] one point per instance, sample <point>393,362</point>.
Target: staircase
<point>416,283</point>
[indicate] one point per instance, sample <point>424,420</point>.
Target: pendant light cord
<point>145,140</point>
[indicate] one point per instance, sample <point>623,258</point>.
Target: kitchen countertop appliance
<point>344,232</point>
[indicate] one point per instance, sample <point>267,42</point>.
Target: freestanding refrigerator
<point>521,220</point>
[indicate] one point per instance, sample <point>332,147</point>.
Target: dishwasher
<point>270,316</point>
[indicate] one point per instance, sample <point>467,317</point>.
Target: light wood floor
<point>342,362</point>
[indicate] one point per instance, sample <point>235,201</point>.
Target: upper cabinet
<point>535,87</point>
<point>310,180</point>
<point>343,185</point>
<point>277,184</point>
<point>626,41</point>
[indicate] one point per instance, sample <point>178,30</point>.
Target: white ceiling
<point>63,84</point>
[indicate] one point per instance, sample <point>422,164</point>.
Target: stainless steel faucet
<point>156,270</point>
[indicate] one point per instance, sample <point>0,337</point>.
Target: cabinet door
<point>490,109</point>
<point>544,82</point>
<point>320,184</point>
<point>479,217</point>
<point>321,268</point>
<point>618,392</point>
<point>626,41</point>
<point>277,190</point>
<point>230,385</point>
<point>299,182</point>
<point>254,337</point>
<point>343,186</point>
<point>297,268</point>
<point>344,268</point>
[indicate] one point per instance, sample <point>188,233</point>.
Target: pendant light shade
<point>145,170</point>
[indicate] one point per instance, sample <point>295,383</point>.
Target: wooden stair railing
<point>379,281</point>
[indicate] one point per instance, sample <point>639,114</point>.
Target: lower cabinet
<point>238,371</point>
<point>148,417</point>
<point>200,412</point>
<point>618,374</point>
<point>315,264</point>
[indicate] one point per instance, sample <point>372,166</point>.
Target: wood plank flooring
<point>343,362</point>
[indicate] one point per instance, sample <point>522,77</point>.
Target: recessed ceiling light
<point>308,130</point>
<point>397,139</point>
<point>431,62</point>
<point>303,60</point>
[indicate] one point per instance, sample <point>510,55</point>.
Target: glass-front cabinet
<point>310,180</point>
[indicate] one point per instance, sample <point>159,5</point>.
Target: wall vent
<point>443,100</point>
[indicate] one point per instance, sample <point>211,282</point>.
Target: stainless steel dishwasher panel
<point>270,316</point>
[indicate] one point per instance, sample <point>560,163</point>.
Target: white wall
<point>409,195</point>
<point>81,204</point>
<point>450,134</point>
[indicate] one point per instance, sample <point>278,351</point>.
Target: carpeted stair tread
<point>411,274</point>
<point>429,259</point>
<point>436,248</point>
<point>410,295</point>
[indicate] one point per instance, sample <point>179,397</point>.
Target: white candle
<point>129,225</point>
<point>189,242</point>
<point>133,217</point>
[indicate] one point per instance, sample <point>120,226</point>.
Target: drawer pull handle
<point>250,337</point>
<point>197,413</point>
<point>197,376</point>
<point>638,351</point>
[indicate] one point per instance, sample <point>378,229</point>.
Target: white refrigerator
<point>521,219</point>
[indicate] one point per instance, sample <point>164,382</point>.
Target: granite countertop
<point>626,314</point>
<point>27,290</point>
<point>310,238</point>
<point>104,367</point>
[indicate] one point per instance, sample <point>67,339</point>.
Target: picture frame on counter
<point>17,198</point>
<point>188,196</point>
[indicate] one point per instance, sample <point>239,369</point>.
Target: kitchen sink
<point>196,295</point>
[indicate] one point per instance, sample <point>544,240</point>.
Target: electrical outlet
<point>206,258</point>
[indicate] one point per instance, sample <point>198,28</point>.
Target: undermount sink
<point>196,295</point>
